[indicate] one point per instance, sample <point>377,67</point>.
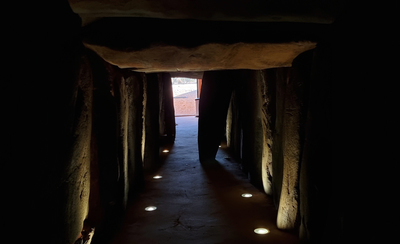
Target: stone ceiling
<point>308,11</point>
<point>188,36</point>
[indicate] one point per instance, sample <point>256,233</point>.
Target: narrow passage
<point>199,205</point>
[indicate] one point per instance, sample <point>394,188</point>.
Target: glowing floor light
<point>165,151</point>
<point>150,208</point>
<point>261,231</point>
<point>157,177</point>
<point>247,195</point>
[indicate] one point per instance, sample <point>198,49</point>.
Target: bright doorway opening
<point>186,95</point>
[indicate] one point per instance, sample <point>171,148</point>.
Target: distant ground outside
<point>185,93</point>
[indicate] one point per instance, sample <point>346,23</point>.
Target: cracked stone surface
<point>198,204</point>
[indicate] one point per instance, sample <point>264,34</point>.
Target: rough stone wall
<point>120,99</point>
<point>128,92</point>
<point>74,185</point>
<point>293,120</point>
<point>105,199</point>
<point>250,122</point>
<point>279,77</point>
<point>216,91</point>
<point>235,97</point>
<point>249,125</point>
<point>268,110</point>
<point>223,10</point>
<point>125,137</point>
<point>293,107</point>
<point>55,149</point>
<point>151,128</point>
<point>105,140</point>
<point>320,209</point>
<point>58,141</point>
<point>134,84</point>
<point>167,111</point>
<point>86,143</point>
<point>252,147</point>
<point>234,127</point>
<point>123,115</point>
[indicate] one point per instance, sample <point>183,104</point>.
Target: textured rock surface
<point>233,125</point>
<point>75,185</point>
<point>212,56</point>
<point>57,115</point>
<point>294,113</point>
<point>151,129</point>
<point>279,77</point>
<point>268,109</point>
<point>167,111</point>
<point>123,109</point>
<point>257,10</point>
<point>157,45</point>
<point>318,171</point>
<point>215,97</point>
<point>134,82</point>
<point>252,144</point>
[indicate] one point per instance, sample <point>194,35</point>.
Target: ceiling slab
<point>304,11</point>
<point>161,45</point>
<point>211,56</point>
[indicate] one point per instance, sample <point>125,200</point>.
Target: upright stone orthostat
<point>215,96</point>
<point>292,140</point>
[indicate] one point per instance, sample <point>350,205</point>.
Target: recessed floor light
<point>219,146</point>
<point>150,208</point>
<point>261,231</point>
<point>157,177</point>
<point>247,195</point>
<point>165,151</point>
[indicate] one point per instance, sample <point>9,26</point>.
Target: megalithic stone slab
<point>292,140</point>
<point>215,96</point>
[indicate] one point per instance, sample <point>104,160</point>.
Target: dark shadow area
<point>112,32</point>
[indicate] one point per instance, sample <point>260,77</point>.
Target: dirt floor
<point>184,99</point>
<point>197,205</point>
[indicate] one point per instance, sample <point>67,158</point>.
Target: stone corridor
<point>98,111</point>
<point>196,204</point>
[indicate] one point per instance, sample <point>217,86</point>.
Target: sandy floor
<point>199,205</point>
